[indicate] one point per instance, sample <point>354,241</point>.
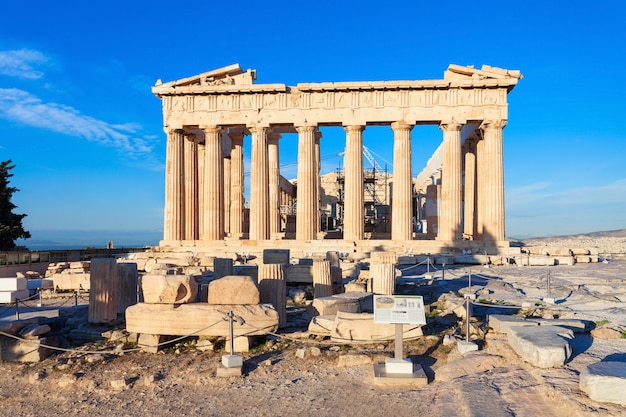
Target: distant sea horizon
<point>82,239</point>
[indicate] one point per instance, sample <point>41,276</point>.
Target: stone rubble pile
<point>70,276</point>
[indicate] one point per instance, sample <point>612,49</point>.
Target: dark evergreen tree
<point>10,223</point>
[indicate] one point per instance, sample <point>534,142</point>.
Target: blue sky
<point>79,121</point>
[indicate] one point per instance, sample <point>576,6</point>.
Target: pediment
<point>229,75</point>
<point>458,72</point>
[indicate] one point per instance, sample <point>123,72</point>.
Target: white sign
<point>399,309</point>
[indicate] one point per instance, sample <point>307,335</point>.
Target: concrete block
<point>465,347</point>
<point>13,284</point>
<point>7,297</point>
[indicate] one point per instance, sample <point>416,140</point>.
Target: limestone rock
<point>234,290</point>
<point>605,332</point>
<point>350,360</point>
<point>605,382</point>
<point>346,302</point>
<point>542,346</point>
<point>169,289</point>
<point>470,364</point>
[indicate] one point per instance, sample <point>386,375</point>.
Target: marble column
<point>259,186</point>
<point>451,183</point>
<point>227,190</point>
<point>191,186</point>
<point>274,182</point>
<point>307,193</point>
<point>354,201</point>
<point>174,216</point>
<point>214,184</point>
<point>318,182</point>
<point>481,175</point>
<point>201,157</point>
<point>494,220</point>
<point>236,183</point>
<point>469,196</point>
<point>402,204</point>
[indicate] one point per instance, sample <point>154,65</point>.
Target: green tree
<point>10,223</point>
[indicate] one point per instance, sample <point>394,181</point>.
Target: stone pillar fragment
<point>213,184</point>
<point>353,225</point>
<point>127,283</point>
<point>273,289</point>
<point>383,278</point>
<point>222,267</point>
<point>493,183</point>
<point>402,205</point>
<point>451,183</point>
<point>322,279</point>
<point>173,225</point>
<point>103,283</point>
<point>259,186</point>
<point>307,192</point>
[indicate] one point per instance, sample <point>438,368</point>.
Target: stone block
<point>501,323</point>
<point>71,282</point>
<point>465,347</point>
<point>37,283</point>
<point>200,319</point>
<point>321,325</point>
<point>246,271</point>
<point>150,343</point>
<point>352,302</point>
<point>234,290</point>
<point>276,256</point>
<point>29,350</point>
<point>299,274</point>
<point>605,382</point>
<point>168,289</point>
<point>360,327</point>
<point>541,346</point>
<point>13,284</point>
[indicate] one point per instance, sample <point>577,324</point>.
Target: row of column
<point>204,203</point>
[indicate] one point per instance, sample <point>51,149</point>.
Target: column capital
<point>354,128</point>
<point>211,129</point>
<point>258,129</point>
<point>304,128</point>
<point>493,124</point>
<point>450,125</point>
<point>401,125</point>
<point>274,136</point>
<point>170,130</point>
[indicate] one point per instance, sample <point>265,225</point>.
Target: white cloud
<point>22,106</point>
<point>20,63</point>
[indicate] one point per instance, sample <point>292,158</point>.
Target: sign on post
<point>399,309</point>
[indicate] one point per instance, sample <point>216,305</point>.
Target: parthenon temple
<point>455,203</point>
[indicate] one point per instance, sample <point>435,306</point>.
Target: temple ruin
<point>457,201</point>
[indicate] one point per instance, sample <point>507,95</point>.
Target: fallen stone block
<point>276,256</point>
<point>71,282</point>
<point>360,327</point>
<point>199,319</point>
<point>29,350</point>
<point>605,382</point>
<point>321,325</point>
<point>352,302</point>
<point>168,289</point>
<point>299,274</point>
<point>541,346</point>
<point>577,326</point>
<point>501,323</point>
<point>234,290</point>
